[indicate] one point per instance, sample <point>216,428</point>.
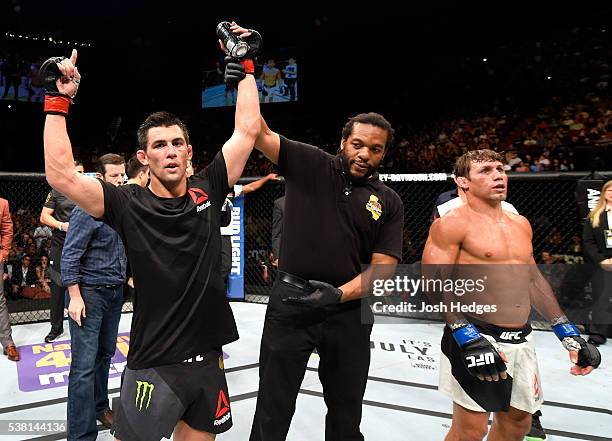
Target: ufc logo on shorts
<point>510,335</point>
<point>480,360</point>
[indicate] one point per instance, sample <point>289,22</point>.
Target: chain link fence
<point>546,199</point>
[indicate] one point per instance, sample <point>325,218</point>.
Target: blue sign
<point>235,286</point>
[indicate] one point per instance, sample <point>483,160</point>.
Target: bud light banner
<point>235,286</point>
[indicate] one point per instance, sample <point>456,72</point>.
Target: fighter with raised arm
<point>174,383</point>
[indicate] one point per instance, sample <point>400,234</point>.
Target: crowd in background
<point>566,126</point>
<point>29,255</point>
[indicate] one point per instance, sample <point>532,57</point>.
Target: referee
<point>338,216</point>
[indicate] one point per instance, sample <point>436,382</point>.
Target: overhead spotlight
<point>549,77</point>
<point>485,60</point>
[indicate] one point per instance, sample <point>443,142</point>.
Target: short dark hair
<point>374,119</point>
<point>159,119</point>
<point>463,162</point>
<point>109,158</point>
<point>134,167</point>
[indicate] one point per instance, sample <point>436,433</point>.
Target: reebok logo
<point>198,195</point>
<point>223,410</point>
<point>203,207</point>
<point>510,335</point>
<point>480,360</point>
<point>143,391</point>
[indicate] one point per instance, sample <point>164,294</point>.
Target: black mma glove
<point>234,71</point>
<point>255,43</point>
<point>56,103</point>
<point>588,355</point>
<point>480,357</point>
<point>323,295</point>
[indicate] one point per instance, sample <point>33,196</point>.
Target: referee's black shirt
<point>332,226</point>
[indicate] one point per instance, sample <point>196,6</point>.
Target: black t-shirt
<point>327,233</point>
<point>173,246</point>
<point>62,207</point>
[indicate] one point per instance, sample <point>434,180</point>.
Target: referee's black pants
<point>290,335</point>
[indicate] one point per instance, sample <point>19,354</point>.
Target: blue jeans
<point>93,345</point>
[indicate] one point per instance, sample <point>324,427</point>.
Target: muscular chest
<point>496,242</point>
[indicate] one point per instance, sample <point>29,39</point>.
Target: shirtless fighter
<point>488,364</point>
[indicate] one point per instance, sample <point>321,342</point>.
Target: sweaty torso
<point>499,250</point>
<point>488,241</point>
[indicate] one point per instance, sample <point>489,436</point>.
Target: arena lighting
<point>485,60</point>
<point>50,39</point>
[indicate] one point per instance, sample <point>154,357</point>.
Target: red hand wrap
<point>57,104</point>
<point>249,66</point>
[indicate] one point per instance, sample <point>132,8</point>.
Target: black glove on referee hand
<point>323,295</point>
<point>234,71</point>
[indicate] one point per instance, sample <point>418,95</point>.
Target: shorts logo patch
<point>144,391</point>
<point>222,405</point>
<point>223,410</point>
<point>536,387</point>
<point>374,207</point>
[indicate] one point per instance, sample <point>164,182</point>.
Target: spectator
<point>547,258</point>
<point>597,241</point>
<point>32,251</point>
<point>522,167</point>
<point>137,172</point>
<point>42,276</point>
<point>93,267</point>
<point>6,238</point>
<point>23,276</point>
<point>41,233</point>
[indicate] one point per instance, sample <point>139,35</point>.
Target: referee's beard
<point>356,179</point>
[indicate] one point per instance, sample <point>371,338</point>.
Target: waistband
<point>503,334</point>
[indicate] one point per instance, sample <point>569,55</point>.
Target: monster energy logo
<point>147,391</point>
